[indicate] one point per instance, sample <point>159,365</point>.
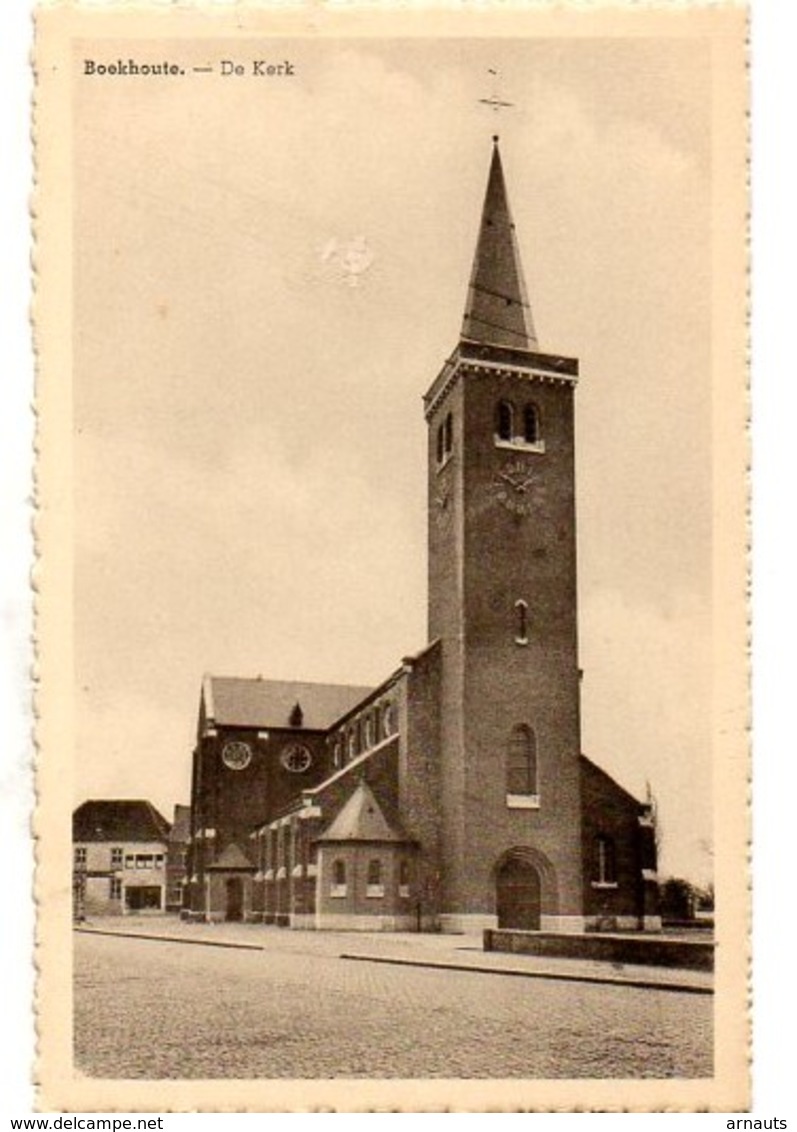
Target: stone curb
<point>175,939</point>
<point>479,969</point>
<point>645,984</point>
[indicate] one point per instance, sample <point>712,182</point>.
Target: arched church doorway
<point>518,895</point>
<point>235,899</point>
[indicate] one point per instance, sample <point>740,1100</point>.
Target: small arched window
<point>521,623</point>
<point>521,767</point>
<point>504,420</point>
<point>338,887</point>
<point>606,860</point>
<point>449,434</point>
<point>373,881</point>
<point>531,424</point>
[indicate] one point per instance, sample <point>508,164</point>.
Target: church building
<point>454,795</point>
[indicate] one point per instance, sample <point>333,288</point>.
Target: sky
<point>269,273</point>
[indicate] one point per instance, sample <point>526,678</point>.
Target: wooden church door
<point>518,896</point>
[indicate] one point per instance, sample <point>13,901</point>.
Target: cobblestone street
<point>150,1009</point>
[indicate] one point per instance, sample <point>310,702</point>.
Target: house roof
<point>362,819</point>
<point>233,857</point>
<point>241,702</point>
<point>106,819</point>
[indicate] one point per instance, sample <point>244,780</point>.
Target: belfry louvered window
<point>531,424</point>
<point>504,420</point>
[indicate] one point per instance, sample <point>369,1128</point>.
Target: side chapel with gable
<point>454,795</point>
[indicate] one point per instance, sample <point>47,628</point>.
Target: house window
<point>521,768</point>
<point>606,863</point>
<point>374,886</point>
<point>521,623</point>
<point>115,888</point>
<point>352,742</point>
<point>130,861</point>
<point>117,857</point>
<point>159,860</point>
<point>338,887</point>
<point>531,424</point>
<point>80,855</point>
<point>504,421</point>
<point>404,878</point>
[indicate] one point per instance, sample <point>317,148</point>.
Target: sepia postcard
<point>392,706</point>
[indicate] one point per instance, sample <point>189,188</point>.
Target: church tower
<point>502,602</point>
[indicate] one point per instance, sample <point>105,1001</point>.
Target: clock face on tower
<point>517,488</point>
<point>236,755</point>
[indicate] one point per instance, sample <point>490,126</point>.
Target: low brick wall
<point>695,955</point>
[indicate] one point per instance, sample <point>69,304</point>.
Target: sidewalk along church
<point>454,796</point>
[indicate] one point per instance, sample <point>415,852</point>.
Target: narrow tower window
<point>521,766</point>
<point>504,420</point>
<point>440,440</point>
<point>521,623</point>
<point>449,434</point>
<point>531,424</point>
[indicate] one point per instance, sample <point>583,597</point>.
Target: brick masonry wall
<point>697,955</point>
<point>446,596</point>
<point>490,557</point>
<point>609,811</point>
<point>420,809</point>
<point>356,901</point>
<point>234,802</point>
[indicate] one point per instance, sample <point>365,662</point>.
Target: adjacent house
<point>176,851</point>
<point>119,857</point>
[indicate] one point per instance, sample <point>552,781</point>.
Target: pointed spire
<point>497,311</point>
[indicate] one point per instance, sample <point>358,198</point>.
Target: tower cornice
<point>475,358</point>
